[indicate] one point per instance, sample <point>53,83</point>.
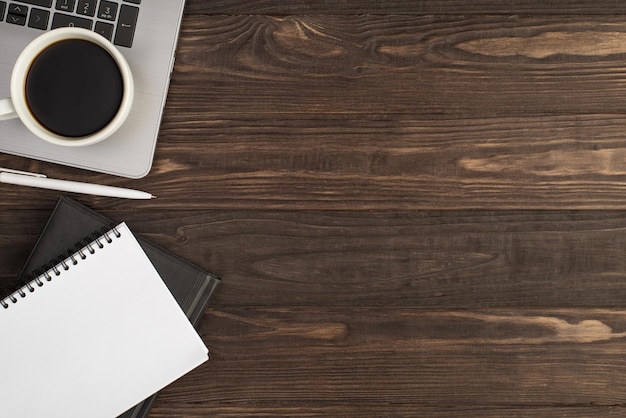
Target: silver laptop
<point>145,31</point>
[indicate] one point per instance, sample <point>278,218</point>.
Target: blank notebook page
<point>95,340</point>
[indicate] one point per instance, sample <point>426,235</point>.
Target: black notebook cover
<point>72,222</point>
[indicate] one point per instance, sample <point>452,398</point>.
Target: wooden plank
<point>546,7</point>
<point>381,259</point>
<point>435,66</point>
<point>376,162</point>
<point>458,259</point>
<point>428,113</point>
<point>303,360</point>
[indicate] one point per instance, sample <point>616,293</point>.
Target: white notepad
<point>95,340</point>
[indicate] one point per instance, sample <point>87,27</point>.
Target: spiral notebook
<point>72,221</point>
<point>94,335</point>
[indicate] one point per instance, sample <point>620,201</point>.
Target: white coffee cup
<point>47,120</point>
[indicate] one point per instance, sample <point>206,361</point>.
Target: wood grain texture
<point>421,66</point>
<point>384,259</point>
<point>409,7</point>
<point>467,259</point>
<point>417,208</point>
<point>405,362</point>
<point>380,112</point>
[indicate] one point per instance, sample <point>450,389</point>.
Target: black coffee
<point>74,88</point>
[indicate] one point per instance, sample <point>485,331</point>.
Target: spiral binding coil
<point>57,266</point>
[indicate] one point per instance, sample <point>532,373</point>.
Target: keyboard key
<point>18,9</point>
<point>133,1</point>
<point>104,29</point>
<point>66,5</point>
<point>3,7</point>
<point>107,10</point>
<point>61,20</point>
<point>40,3</point>
<point>86,7</point>
<point>126,24</point>
<point>38,19</point>
<point>16,19</point>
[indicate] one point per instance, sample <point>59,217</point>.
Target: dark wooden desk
<point>417,208</point>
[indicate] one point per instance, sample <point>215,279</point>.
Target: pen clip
<point>23,173</point>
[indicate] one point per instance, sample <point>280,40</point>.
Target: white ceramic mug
<point>38,122</point>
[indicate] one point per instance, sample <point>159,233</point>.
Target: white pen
<point>24,178</point>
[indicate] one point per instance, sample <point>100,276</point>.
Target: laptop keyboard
<point>116,20</point>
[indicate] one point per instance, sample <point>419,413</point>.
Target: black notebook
<point>72,224</point>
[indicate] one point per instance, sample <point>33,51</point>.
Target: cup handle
<point>7,111</point>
